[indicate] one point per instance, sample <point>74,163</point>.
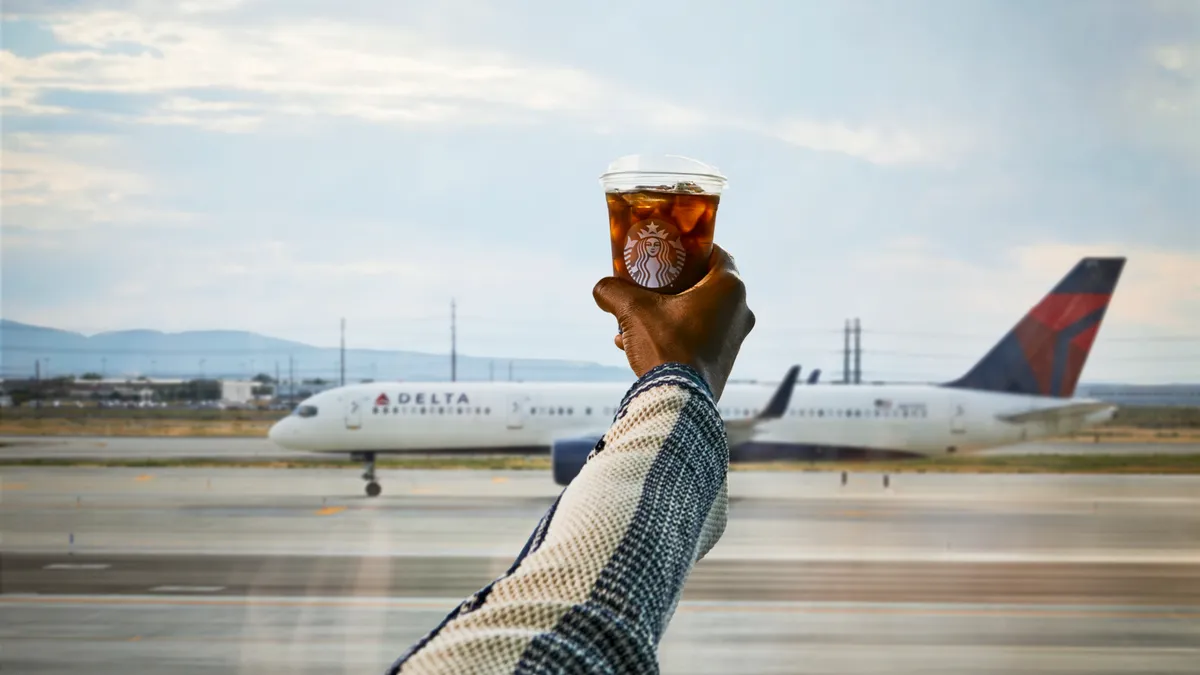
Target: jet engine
<point>568,455</point>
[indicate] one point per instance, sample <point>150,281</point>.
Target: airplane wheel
<point>373,489</point>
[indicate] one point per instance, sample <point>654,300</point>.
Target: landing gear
<point>368,460</point>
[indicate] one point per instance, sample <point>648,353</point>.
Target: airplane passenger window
<point>441,411</point>
<point>560,411</point>
<point>307,411</point>
<point>820,413</point>
<point>587,411</point>
<point>570,411</point>
<point>487,411</point>
<point>422,410</point>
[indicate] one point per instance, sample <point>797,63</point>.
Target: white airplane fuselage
<point>486,416</point>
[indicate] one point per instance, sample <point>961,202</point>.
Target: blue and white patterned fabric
<point>599,579</point>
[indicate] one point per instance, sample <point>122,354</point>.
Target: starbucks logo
<point>653,254</point>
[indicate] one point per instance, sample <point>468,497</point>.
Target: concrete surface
<point>233,449</point>
<point>266,571</point>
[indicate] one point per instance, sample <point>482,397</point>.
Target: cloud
<point>876,145</point>
<point>63,181</point>
<point>252,72</point>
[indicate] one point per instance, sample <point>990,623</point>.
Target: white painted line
<point>77,566</point>
<point>186,589</point>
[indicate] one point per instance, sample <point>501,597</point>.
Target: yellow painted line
<point>748,608</point>
<point>135,638</point>
<point>144,477</point>
<point>499,479</point>
<point>12,486</point>
<point>330,510</point>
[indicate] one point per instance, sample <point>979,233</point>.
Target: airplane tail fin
<point>1045,352</point>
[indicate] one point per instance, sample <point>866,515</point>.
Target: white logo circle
<point>653,255</point>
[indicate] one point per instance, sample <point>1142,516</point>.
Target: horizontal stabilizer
<point>1058,413</point>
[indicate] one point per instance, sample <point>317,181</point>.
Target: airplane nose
<point>275,433</point>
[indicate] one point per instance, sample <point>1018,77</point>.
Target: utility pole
<point>846,353</point>
<point>37,370</point>
<point>857,352</point>
<point>291,379</point>
<point>453,343</point>
<point>343,350</point>
<point>275,389</point>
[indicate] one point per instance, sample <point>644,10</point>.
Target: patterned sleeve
<point>600,577</point>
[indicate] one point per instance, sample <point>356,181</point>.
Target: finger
<point>615,295</point>
<point>619,341</point>
<point>722,259</point>
<point>719,264</point>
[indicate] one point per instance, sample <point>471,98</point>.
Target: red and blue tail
<point>1045,353</point>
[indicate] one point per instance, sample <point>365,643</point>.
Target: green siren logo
<point>653,254</point>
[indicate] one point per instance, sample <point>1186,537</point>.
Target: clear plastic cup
<point>662,214</point>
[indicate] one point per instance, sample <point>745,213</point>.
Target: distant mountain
<point>231,354</point>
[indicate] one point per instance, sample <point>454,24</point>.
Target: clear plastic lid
<point>661,171</point>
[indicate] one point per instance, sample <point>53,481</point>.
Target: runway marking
<point>186,589</point>
<point>330,510</point>
<point>144,477</point>
<point>77,566</point>
<point>687,606</point>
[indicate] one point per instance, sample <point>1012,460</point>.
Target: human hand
<point>702,327</point>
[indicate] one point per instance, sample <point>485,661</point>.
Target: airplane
<point>1021,390</point>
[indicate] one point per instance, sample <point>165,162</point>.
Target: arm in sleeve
<point>602,573</point>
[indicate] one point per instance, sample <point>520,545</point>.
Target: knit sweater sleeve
<point>601,575</point>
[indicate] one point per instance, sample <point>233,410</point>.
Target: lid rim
<point>664,173</point>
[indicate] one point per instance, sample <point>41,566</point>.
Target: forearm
<point>601,575</point>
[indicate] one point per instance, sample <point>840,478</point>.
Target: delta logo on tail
<point>1045,352</point>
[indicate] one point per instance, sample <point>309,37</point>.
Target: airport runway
<point>258,570</point>
<point>243,449</point>
<point>109,447</point>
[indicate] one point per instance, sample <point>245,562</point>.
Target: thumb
<point>615,295</point>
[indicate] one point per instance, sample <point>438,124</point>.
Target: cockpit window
<point>307,411</point>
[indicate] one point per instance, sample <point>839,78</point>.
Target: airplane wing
<point>737,431</point>
<point>740,431</point>
<point>1057,413</point>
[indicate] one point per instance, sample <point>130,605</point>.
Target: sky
<point>932,168</point>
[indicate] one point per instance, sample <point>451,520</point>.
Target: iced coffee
<point>662,212</point>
